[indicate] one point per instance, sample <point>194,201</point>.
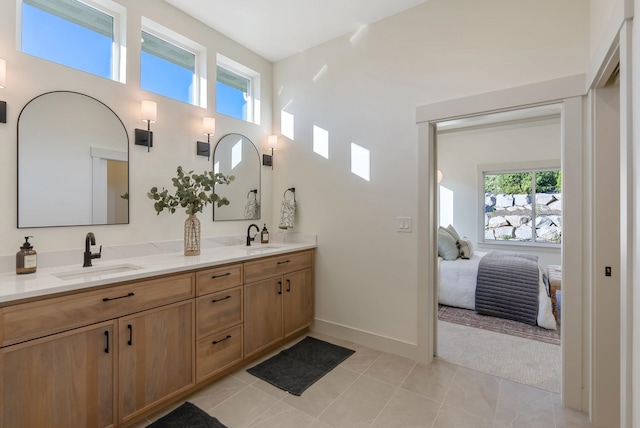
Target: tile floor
<point>375,389</point>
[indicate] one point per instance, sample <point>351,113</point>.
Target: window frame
<point>118,47</point>
<point>515,169</point>
<point>199,89</point>
<point>253,95</point>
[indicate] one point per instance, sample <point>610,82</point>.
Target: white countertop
<point>46,281</point>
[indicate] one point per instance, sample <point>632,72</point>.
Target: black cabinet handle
<point>106,345</point>
<point>279,287</point>
<point>220,300</point>
<point>286,261</point>
<point>220,276</point>
<point>130,341</point>
<point>107,299</point>
<point>288,285</point>
<point>215,342</point>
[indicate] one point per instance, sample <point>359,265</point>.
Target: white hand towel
<point>287,213</point>
<point>252,209</point>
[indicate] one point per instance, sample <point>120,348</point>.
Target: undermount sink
<point>95,272</point>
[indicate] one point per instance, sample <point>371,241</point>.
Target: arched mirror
<point>236,155</point>
<point>73,162</point>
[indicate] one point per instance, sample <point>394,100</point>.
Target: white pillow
<point>447,246</point>
<point>466,248</point>
<point>453,232</point>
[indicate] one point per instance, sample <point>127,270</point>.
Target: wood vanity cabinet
<point>155,358</point>
<point>104,357</point>
<point>63,380</point>
<point>280,305</point>
<point>219,318</point>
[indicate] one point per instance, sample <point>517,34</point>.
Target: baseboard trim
<point>366,338</point>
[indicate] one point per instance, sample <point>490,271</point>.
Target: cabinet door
<point>155,356</point>
<point>262,314</point>
<point>298,301</point>
<point>64,380</point>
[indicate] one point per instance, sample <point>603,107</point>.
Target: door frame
<point>568,92</point>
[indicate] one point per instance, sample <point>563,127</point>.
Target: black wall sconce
<point>208,129</point>
<point>272,143</point>
<point>149,110</point>
<point>3,81</point>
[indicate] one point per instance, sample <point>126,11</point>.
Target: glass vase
<point>192,236</point>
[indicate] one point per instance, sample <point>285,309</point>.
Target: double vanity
<point>105,345</point>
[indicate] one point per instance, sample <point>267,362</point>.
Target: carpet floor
<point>471,318</point>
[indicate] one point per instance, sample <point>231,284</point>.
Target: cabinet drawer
<point>219,351</point>
<point>222,278</point>
<point>218,311</point>
<point>279,265</point>
<point>36,319</point>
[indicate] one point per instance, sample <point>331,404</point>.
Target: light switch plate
<point>403,224</point>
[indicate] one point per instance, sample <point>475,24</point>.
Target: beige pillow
<point>466,248</point>
<point>453,232</point>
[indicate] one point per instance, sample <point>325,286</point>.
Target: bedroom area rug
<point>530,362</point>
<point>471,318</point>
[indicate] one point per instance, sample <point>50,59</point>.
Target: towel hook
<point>255,194</point>
<point>292,190</point>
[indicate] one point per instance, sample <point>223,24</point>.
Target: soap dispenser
<point>264,235</point>
<point>26,258</point>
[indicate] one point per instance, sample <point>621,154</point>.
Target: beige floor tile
<point>243,408</point>
<point>217,392</point>
<point>406,409</point>
<point>319,424</point>
<point>569,418</point>
<point>321,394</point>
<point>390,368</point>
<point>523,406</point>
<point>359,405</point>
<point>432,380</point>
<point>475,392</point>
<point>453,417</point>
<point>330,339</point>
<point>361,360</point>
<point>283,416</point>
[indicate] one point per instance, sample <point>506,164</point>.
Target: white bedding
<point>457,287</point>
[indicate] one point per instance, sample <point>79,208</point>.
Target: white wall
<point>178,128</point>
<point>600,13</point>
<point>462,152</point>
<point>367,94</point>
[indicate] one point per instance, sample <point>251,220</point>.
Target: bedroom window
<point>87,36</point>
<point>523,207</point>
<point>237,90</point>
<point>172,65</point>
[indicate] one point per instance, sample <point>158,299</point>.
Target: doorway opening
<point>500,189</point>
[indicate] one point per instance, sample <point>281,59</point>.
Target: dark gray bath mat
<point>187,416</point>
<point>297,368</point>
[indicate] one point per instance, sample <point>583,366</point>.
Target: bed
<point>458,279</point>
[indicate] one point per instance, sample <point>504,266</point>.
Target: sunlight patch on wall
<point>286,124</point>
<point>360,163</point>
<point>321,141</point>
<point>236,154</point>
<point>446,206</point>
<point>216,168</point>
<point>319,74</point>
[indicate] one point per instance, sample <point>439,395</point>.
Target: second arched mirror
<point>236,155</point>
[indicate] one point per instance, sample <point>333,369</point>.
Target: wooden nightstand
<point>554,272</point>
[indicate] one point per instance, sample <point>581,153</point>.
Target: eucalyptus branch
<point>192,192</point>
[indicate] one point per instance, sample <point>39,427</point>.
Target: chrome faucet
<point>249,238</point>
<point>88,255</point>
